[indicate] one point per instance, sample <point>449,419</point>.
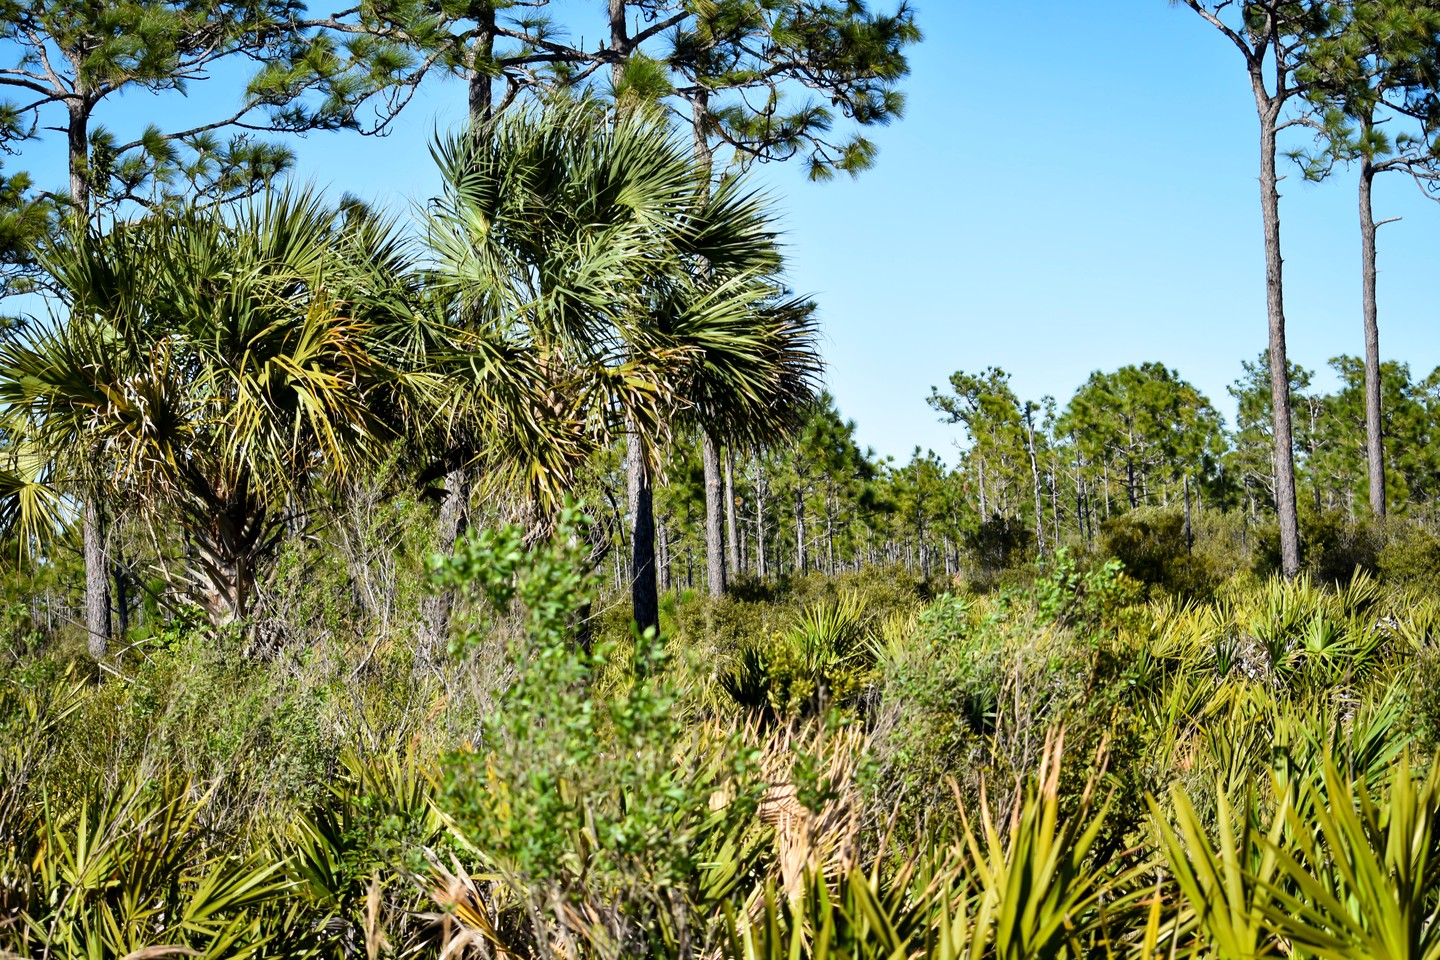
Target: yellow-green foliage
<point>869,775</point>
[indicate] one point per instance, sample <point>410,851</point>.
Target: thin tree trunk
<point>1269,111</point>
<point>122,595</point>
<point>1054,498</point>
<point>984,507</point>
<point>620,42</point>
<point>760,491</point>
<point>78,145</point>
<point>830,532</point>
<point>800,560</point>
<point>1035,477</point>
<point>97,580</point>
<point>663,541</point>
<point>437,607</point>
<point>714,516</point>
<point>1079,494</point>
<point>1189,538</point>
<point>732,523</point>
<point>1374,438</point>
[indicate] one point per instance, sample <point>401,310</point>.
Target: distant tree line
<point>1031,476</point>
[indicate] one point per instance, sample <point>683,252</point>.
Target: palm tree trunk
<point>436,608</point>
<point>644,595</point>
<point>714,516</point>
<point>1374,438</point>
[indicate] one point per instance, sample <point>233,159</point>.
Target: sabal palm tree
<point>216,367</point>
<point>645,296</point>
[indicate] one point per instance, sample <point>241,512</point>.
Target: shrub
<point>1151,543</point>
<point>1410,555</point>
<point>997,543</point>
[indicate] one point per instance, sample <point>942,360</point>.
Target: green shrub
<point>1151,543</point>
<point>571,798</point>
<point>1410,555</point>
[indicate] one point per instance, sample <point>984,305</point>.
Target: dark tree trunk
<point>714,516</point>
<point>644,594</point>
<point>620,42</point>
<point>78,146</point>
<point>481,95</point>
<point>1374,426</point>
<point>122,595</point>
<point>97,580</point>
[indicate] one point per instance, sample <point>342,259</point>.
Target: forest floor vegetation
<point>1095,756</point>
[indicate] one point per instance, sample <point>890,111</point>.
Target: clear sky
<point>1073,188</point>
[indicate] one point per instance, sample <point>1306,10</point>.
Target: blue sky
<point>1073,188</point>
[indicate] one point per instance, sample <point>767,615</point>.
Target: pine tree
<point>1272,37</point>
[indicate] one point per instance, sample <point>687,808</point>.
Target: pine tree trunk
<point>97,579</point>
<point>1374,426</point>
<point>480,92</point>
<point>78,145</point>
<point>1275,310</point>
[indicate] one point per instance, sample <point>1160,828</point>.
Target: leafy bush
<point>1151,544</point>
<point>609,822</point>
<point>997,543</point>
<point>1410,555</point>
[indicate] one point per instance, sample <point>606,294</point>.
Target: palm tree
<point>644,297</point>
<point>215,368</point>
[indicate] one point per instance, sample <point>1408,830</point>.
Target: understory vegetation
<point>1072,763</point>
